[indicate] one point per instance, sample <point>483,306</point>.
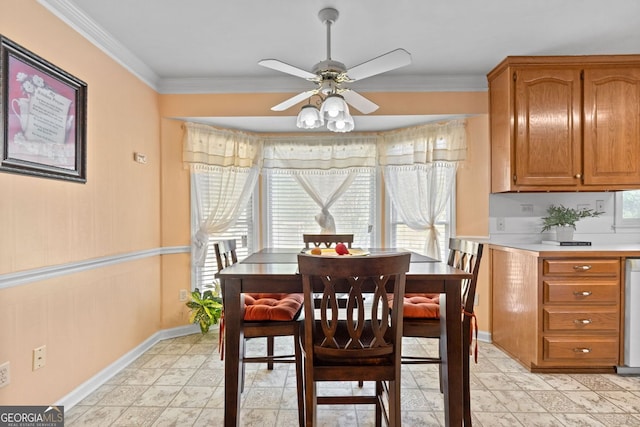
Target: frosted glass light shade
<point>333,106</point>
<point>309,117</point>
<point>342,124</point>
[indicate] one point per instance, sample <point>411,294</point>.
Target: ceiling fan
<point>330,77</point>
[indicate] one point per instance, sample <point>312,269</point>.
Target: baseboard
<point>91,385</point>
<point>484,336</point>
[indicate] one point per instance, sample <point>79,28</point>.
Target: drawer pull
<point>582,293</point>
<point>582,350</point>
<point>585,267</point>
<point>582,321</point>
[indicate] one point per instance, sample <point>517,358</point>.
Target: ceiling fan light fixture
<point>343,124</point>
<point>333,106</point>
<point>309,117</point>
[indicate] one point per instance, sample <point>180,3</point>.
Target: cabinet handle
<point>582,321</point>
<point>578,176</point>
<point>582,267</point>
<point>582,293</point>
<point>582,350</point>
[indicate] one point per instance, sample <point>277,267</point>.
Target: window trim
<point>619,223</point>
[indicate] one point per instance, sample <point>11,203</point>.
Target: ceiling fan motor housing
<point>329,66</point>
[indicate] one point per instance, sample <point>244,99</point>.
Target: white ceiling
<point>209,46</point>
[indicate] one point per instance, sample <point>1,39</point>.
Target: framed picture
<point>43,116</point>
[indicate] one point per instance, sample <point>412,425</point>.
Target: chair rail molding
<point>37,274</point>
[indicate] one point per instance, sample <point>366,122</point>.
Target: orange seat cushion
<point>279,307</point>
<point>420,306</point>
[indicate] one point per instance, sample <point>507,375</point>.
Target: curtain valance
<point>319,152</point>
<point>208,145</point>
<point>423,144</point>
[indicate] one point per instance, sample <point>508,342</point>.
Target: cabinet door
<point>612,126</point>
<point>548,108</point>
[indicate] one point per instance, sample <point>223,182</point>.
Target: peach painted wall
<point>472,205</point>
<point>87,319</point>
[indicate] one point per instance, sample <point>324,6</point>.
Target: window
<point>402,236</point>
<point>242,232</point>
<point>290,211</point>
<point>627,208</point>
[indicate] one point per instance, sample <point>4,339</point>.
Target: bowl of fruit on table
<point>339,250</point>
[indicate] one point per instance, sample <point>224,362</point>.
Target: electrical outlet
<point>184,295</point>
<point>599,205</point>
<point>500,224</point>
<point>476,300</point>
<point>5,377</point>
<point>39,357</point>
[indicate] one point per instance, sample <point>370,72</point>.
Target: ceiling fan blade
<point>359,102</point>
<point>383,63</point>
<point>277,65</point>
<point>293,100</point>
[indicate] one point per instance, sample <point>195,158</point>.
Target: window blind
<point>290,212</point>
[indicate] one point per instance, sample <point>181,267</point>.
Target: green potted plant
<point>564,220</point>
<point>206,308</point>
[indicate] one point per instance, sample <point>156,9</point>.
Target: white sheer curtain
<point>418,163</point>
<point>317,186</point>
<point>228,162</point>
<point>419,167</point>
<point>324,166</point>
<point>420,194</point>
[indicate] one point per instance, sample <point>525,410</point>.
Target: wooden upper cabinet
<point>612,126</point>
<point>565,123</point>
<point>548,107</point>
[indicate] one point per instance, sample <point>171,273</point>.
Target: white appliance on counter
<point>631,319</point>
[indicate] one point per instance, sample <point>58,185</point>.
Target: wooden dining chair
<point>422,313</point>
<point>267,315</point>
<point>360,341</point>
<point>326,240</point>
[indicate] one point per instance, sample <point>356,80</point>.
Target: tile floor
<point>179,382</point>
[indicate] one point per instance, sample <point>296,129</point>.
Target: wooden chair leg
<point>310,398</point>
<point>242,364</point>
<point>379,392</point>
<point>299,379</point>
<point>441,366</point>
<point>270,346</point>
<point>466,389</point>
<point>395,412</point>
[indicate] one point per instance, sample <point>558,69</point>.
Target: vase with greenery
<point>206,308</point>
<point>565,218</point>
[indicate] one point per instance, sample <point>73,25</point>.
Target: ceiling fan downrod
<point>328,16</point>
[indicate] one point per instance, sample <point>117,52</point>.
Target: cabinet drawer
<point>581,319</point>
<point>581,267</point>
<point>582,292</point>
<point>576,349</point>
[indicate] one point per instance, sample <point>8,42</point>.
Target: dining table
<point>276,270</point>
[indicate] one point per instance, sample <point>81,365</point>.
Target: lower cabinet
<point>554,313</point>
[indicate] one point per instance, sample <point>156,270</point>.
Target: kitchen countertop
<point>628,250</point>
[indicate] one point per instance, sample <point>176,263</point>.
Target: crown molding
<point>68,12</point>
<point>83,24</point>
<point>406,83</point>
